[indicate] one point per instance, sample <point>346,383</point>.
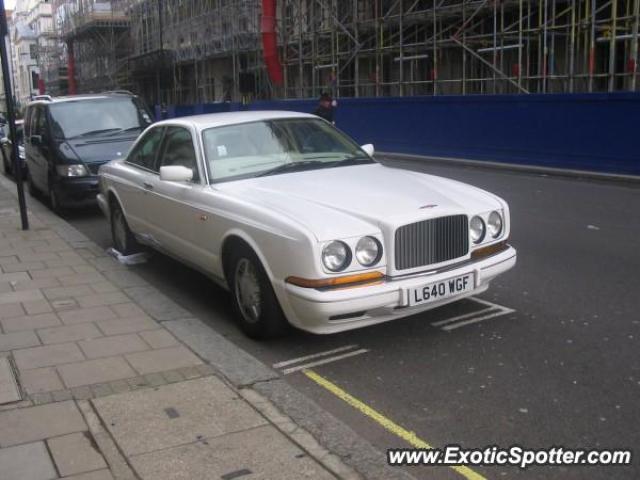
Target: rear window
<point>101,116</point>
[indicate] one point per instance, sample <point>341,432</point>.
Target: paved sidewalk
<point>108,392</point>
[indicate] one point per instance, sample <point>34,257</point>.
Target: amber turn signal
<point>338,282</point>
<point>490,250</point>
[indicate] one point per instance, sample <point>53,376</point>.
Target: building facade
<point>197,51</point>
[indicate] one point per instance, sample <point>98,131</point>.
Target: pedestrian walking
<point>326,108</point>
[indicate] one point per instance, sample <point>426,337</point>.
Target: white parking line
<point>493,310</point>
<point>482,318</point>
<point>324,361</point>
<point>315,355</point>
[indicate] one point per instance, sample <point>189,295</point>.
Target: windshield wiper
<point>352,161</point>
<point>95,132</point>
<point>295,167</point>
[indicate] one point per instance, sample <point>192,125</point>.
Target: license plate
<point>432,292</point>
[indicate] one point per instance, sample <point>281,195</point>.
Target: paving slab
<point>40,380</point>
<point>37,306</point>
<point>10,310</point>
<point>99,299</point>
<point>119,326</point>
<point>26,462</point>
<point>75,453</point>
<point>82,315</point>
<point>164,359</point>
<point>47,356</point>
<point>69,333</point>
<point>111,346</point>
<point>9,391</point>
<point>16,340</point>
<point>95,371</point>
<point>171,415</point>
<point>24,425</point>
<point>158,338</point>
<point>97,475</point>
<point>258,453</point>
<point>30,322</point>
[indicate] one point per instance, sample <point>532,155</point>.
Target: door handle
<point>147,186</point>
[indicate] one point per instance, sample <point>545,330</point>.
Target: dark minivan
<point>67,139</point>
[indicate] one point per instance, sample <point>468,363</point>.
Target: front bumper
<point>77,191</point>
<point>316,310</point>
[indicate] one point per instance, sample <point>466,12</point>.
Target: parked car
<point>7,149</point>
<point>301,224</point>
<point>68,138</point>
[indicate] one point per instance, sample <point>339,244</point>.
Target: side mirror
<point>36,140</point>
<point>368,149</point>
<point>175,173</point>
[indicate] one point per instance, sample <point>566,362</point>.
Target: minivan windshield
<point>97,116</point>
<point>275,147</point>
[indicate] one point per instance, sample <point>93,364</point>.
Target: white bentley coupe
<point>300,223</point>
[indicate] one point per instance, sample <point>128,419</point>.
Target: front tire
<point>255,303</point>
<point>54,201</point>
<point>123,239</point>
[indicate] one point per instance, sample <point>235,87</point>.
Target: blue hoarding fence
<point>596,132</point>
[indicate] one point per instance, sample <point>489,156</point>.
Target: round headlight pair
<point>478,228</point>
<point>336,255</point>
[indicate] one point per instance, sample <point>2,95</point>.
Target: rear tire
<point>6,165</point>
<point>33,190</point>
<point>255,304</point>
<point>123,239</point>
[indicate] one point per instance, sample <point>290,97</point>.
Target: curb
<point>557,172</point>
<point>285,408</point>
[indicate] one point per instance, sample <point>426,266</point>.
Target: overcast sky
<point>9,4</point>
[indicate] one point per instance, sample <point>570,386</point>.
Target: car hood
<point>349,201</point>
<point>99,150</point>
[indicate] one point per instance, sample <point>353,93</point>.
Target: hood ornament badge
<point>433,205</point>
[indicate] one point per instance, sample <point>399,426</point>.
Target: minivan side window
<point>41,123</point>
<point>27,122</point>
<point>144,154</point>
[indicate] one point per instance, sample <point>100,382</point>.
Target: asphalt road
<point>561,369</point>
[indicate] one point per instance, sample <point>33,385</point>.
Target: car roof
<point>230,118</point>
<point>48,100</point>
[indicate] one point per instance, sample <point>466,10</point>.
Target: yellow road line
<point>388,424</point>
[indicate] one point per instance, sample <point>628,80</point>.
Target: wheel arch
<point>237,237</point>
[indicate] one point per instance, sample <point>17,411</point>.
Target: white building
<point>31,32</point>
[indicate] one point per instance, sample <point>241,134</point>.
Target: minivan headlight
<point>336,256</point>
<point>75,170</point>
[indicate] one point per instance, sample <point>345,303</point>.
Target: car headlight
<point>494,224</point>
<point>75,170</point>
<point>477,229</point>
<point>368,251</point>
<point>336,256</point>
<point>21,154</point>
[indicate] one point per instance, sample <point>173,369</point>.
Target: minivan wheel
<point>123,239</point>
<point>33,191</point>
<point>5,164</point>
<point>254,302</point>
<point>54,201</point>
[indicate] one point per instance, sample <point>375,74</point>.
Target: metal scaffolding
<point>196,51</point>
<point>417,47</point>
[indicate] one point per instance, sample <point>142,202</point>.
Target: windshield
<point>273,147</point>
<point>99,116</point>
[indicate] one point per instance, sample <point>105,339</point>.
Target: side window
<point>27,122</point>
<point>41,123</point>
<point>178,150</point>
<point>33,121</point>
<point>145,152</point>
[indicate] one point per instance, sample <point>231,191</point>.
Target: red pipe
<point>71,69</point>
<point>270,42</point>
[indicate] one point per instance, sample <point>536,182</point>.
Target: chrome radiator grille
<point>431,241</point>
